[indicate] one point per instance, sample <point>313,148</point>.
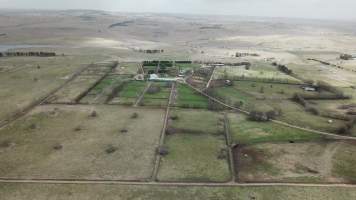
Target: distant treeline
<point>239,54</point>
<point>227,64</point>
<point>151,51</point>
<point>124,23</point>
<point>184,62</point>
<point>334,65</point>
<point>31,53</point>
<point>283,68</point>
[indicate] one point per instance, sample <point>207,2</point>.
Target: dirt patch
<point>310,162</point>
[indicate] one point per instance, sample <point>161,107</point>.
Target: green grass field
<point>344,162</point>
<point>241,99</point>
<point>295,114</point>
<point>159,98</point>
<point>132,89</point>
<point>272,90</point>
<point>244,131</point>
<point>188,98</point>
<point>254,73</point>
<point>197,121</point>
<point>194,157</point>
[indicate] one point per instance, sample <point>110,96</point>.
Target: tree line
<point>30,53</point>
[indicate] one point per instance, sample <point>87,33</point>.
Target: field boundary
<point>140,98</point>
<point>182,184</point>
<point>229,146</point>
<point>163,134</point>
<point>42,100</point>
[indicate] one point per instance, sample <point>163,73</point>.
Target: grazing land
<point>108,145</point>
<point>160,106</point>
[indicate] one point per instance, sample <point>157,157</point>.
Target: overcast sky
<point>325,9</point>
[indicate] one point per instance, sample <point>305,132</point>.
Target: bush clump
<point>58,147</point>
<point>134,116</point>
<point>110,149</point>
<point>162,151</point>
<point>154,89</point>
<point>93,114</point>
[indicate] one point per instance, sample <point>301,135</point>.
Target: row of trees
<point>283,68</point>
<point>31,53</point>
<point>151,51</point>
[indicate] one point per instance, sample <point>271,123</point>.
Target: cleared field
<point>187,66</point>
<point>254,73</point>
<point>111,192</point>
<point>68,142</point>
<point>188,98</point>
<point>241,99</point>
<point>129,93</point>
<point>244,131</point>
<point>32,78</point>
<point>73,90</point>
<point>101,92</point>
<point>295,114</point>
<point>273,90</point>
<point>344,162</point>
<point>341,108</point>
<point>127,68</point>
<point>197,121</point>
<point>298,162</point>
<point>194,157</point>
<point>320,72</point>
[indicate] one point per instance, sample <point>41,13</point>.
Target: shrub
<point>162,150</point>
<point>272,114</point>
<point>57,147</point>
<point>33,126</point>
<point>258,116</point>
<point>93,114</point>
<point>154,89</point>
<point>312,110</point>
<point>174,117</point>
<point>78,128</point>
<point>110,149</point>
<point>134,116</point>
<point>222,154</point>
<point>124,131</point>
<point>5,144</point>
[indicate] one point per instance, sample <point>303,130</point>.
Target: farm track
<point>163,133</point>
<point>140,98</point>
<point>42,100</point>
<point>167,184</point>
<point>274,121</point>
<point>211,78</point>
<point>229,146</point>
